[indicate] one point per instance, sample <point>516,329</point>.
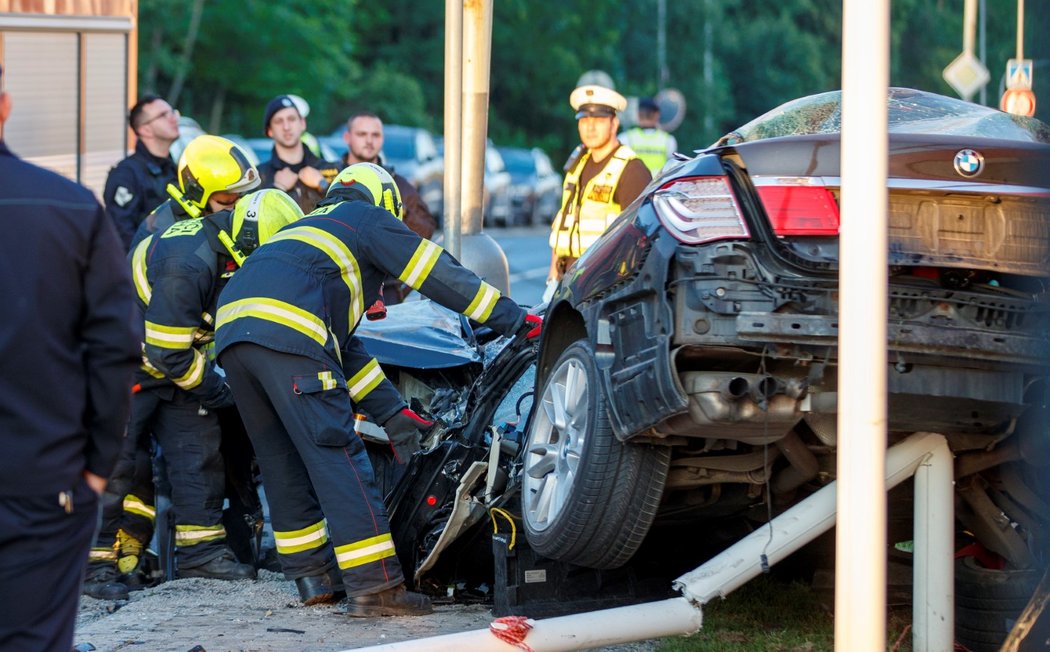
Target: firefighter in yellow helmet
<point>213,173</point>
<point>178,275</point>
<point>602,177</point>
<point>285,337</point>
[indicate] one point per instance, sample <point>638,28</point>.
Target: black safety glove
<point>403,430</point>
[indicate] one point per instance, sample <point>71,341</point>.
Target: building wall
<point>70,68</point>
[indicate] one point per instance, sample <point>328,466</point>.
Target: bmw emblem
<point>969,163</point>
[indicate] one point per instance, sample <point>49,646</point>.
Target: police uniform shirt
<point>633,181</point>
<point>136,186</point>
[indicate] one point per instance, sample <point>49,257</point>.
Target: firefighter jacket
<point>178,275</point>
<point>586,212</point>
<point>159,220</point>
<point>306,197</point>
<point>654,146</point>
<point>134,187</point>
<point>306,289</point>
<point>67,343</point>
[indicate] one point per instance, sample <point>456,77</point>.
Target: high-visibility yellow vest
<point>650,145</point>
<point>582,218</point>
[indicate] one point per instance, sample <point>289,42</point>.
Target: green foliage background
<point>388,57</point>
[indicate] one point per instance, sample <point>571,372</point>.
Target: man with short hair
<point>364,141</point>
<point>292,167</point>
<point>136,185</point>
<point>651,143</point>
<point>67,352</point>
<point>602,177</point>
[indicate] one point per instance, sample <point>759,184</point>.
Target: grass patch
<point>775,615</point>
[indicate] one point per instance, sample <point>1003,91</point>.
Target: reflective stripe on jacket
<point>306,289</point>
<point>651,145</point>
<point>582,219</point>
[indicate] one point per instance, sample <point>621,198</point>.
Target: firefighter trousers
<point>189,438</point>
<point>128,502</point>
<point>324,502</point>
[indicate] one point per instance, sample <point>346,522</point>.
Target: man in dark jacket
<point>364,142</point>
<point>292,167</point>
<point>67,351</point>
<point>135,186</point>
<point>285,336</point>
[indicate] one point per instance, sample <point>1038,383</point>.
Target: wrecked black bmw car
<point>688,368</point>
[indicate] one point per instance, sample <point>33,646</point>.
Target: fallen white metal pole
<point>860,558</point>
<point>579,632</point>
<point>924,455</point>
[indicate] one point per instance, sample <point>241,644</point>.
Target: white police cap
<point>592,101</point>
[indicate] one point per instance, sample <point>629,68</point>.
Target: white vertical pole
<point>1020,29</point>
<point>860,564</point>
<point>453,122</point>
<point>477,43</point>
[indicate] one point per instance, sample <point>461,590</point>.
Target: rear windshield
<point>910,112</point>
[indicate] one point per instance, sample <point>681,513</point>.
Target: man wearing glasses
<point>135,186</point>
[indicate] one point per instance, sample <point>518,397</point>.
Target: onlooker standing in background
<point>67,332</point>
<point>292,167</point>
<point>364,142</point>
<point>602,177</point>
<point>136,185</point>
<point>651,143</point>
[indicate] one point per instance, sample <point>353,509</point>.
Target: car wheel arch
<point>562,325</point>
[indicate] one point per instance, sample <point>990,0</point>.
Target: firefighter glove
<point>222,398</point>
<point>403,430</point>
<point>531,327</point>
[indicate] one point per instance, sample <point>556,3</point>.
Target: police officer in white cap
<point>601,177</point>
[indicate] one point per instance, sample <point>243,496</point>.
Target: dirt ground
<point>260,616</point>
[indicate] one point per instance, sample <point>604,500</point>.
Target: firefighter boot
<point>316,589</point>
<point>397,601</point>
<point>101,582</point>
<point>224,567</point>
<point>129,561</point>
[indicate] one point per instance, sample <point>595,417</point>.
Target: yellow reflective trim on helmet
<point>194,375</point>
<point>365,551</point>
<point>308,538</point>
<point>135,505</point>
<point>484,301</point>
<point>169,337</point>
<point>340,254</point>
<point>366,380</point>
<point>188,535</point>
<point>423,260</point>
<point>276,311</point>
<point>138,271</point>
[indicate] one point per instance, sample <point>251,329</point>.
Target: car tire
<point>987,602</point>
<point>587,497</point>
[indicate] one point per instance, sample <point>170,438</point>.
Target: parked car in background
<point>412,153</point>
<point>497,189</point>
<point>535,188</point>
<point>688,367</point>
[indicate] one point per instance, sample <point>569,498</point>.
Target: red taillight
<point>699,209</point>
<point>432,500</point>
<point>800,210</point>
